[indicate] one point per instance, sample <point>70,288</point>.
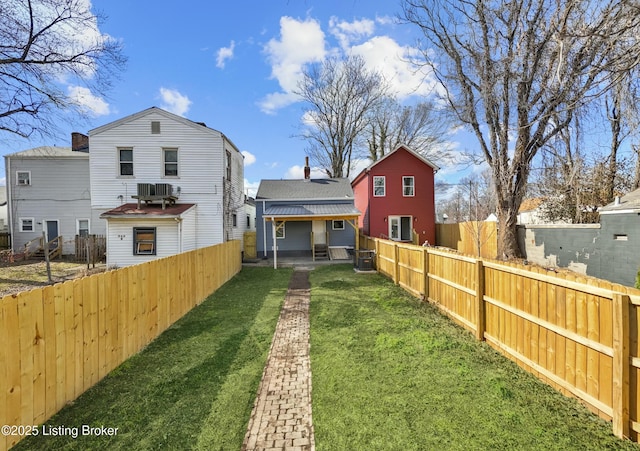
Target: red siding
<point>421,207</point>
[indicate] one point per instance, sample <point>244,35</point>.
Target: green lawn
<point>193,387</point>
<point>391,373</point>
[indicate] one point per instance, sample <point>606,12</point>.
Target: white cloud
<point>251,188</point>
<point>91,104</point>
<point>395,62</point>
<point>297,172</point>
<point>249,158</point>
<point>174,102</point>
<point>225,53</point>
<point>301,42</point>
<point>348,32</point>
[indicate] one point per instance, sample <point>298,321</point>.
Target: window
<point>170,161</point>
<point>228,166</point>
<point>400,228</point>
<point>618,237</point>
<point>155,127</point>
<point>378,186</point>
<point>280,230</point>
<point>144,241</point>
<point>408,186</point>
<point>125,159</point>
<point>26,225</point>
<point>83,227</point>
<point>234,220</point>
<point>248,222</point>
<point>338,224</point>
<point>23,178</point>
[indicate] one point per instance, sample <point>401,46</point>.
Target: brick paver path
<point>281,417</point>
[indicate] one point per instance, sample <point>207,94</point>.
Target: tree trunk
<point>508,234</point>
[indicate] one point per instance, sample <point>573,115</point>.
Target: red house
<point>396,196</point>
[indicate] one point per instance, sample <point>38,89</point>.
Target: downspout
<point>275,244</point>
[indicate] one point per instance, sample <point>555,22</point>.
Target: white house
<point>165,185</point>
<point>48,190</point>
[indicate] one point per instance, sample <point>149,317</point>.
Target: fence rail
<point>58,341</point>
<point>578,334</point>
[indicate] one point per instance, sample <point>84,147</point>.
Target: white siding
<point>120,241</point>
<point>189,230</point>
<point>201,169</point>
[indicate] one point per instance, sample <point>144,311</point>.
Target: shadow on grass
<point>163,397</point>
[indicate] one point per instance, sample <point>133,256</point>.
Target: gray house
<point>48,190</point>
<point>305,218</point>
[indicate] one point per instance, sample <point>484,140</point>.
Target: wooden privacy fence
<point>58,341</point>
<point>478,238</point>
<point>578,334</point>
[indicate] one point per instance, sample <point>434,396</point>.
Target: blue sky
<point>234,65</point>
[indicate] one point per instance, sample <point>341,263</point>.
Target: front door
<point>400,228</point>
<point>319,232</point>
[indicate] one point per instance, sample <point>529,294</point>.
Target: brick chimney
<point>307,169</point>
<point>79,142</point>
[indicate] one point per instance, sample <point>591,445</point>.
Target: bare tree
<point>508,67</point>
<point>340,94</point>
<point>42,43</point>
<point>422,127</point>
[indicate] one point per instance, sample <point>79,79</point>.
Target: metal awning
<point>311,212</point>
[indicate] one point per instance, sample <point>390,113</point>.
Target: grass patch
<point>391,373</point>
<point>191,388</point>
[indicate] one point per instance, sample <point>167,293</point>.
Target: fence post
<point>480,313</point>
<point>621,365</point>
<point>425,252</point>
<point>396,261</point>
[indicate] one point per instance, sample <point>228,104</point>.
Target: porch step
<point>321,252</point>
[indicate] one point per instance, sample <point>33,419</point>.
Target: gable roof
<point>301,189</point>
<point>400,147</point>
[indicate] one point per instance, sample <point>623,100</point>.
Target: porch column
<point>275,247</point>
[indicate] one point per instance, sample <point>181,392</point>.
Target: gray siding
<point>59,190</point>
<point>610,250</point>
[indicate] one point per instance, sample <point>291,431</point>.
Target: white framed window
<point>337,224</point>
<point>125,162</point>
<point>144,241</point>
<point>170,162</point>
<point>408,186</point>
<point>23,178</point>
<point>379,186</point>
<point>82,227</point>
<point>280,233</point>
<point>27,224</point>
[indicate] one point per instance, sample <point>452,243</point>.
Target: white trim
<point>333,224</point>
<point>18,178</point>
<point>44,227</point>
<point>164,163</point>
<point>412,186</point>
<point>384,186</point>
<point>33,224</point>
<point>283,228</point>
<point>119,162</point>
<point>78,225</point>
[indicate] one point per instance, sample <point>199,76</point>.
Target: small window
<point>23,178</point>
<point>125,158</point>
<point>26,224</point>
<point>618,237</point>
<point>83,227</point>
<point>144,241</point>
<point>280,230</point>
<point>338,224</point>
<point>408,186</point>
<point>234,220</point>
<point>155,127</point>
<point>170,161</point>
<point>228,167</point>
<point>378,186</point>
<point>248,222</point>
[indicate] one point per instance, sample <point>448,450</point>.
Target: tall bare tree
<point>508,67</point>
<point>423,127</point>
<point>340,93</point>
<point>42,44</point>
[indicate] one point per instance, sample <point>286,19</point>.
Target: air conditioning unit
<point>146,189</point>
<point>164,189</point>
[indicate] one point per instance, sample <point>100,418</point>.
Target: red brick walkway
<point>281,417</point>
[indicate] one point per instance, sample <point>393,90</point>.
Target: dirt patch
<point>24,276</point>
